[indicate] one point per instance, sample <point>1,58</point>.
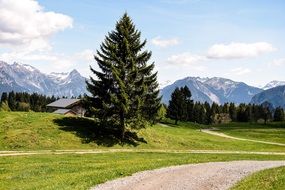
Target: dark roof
<point>63,103</point>
<point>63,111</point>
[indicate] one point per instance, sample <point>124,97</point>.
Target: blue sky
<point>238,39</point>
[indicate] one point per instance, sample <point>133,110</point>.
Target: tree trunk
<point>122,126</point>
<point>176,121</point>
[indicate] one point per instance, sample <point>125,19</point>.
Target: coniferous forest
<point>23,101</point>
<point>182,108</point>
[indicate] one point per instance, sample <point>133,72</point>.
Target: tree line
<point>182,108</point>
<point>23,101</point>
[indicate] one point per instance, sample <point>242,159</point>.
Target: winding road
<point>203,176</point>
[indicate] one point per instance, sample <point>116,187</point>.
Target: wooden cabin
<point>66,106</point>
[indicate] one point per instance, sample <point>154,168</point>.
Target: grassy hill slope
<point>272,132</point>
<point>34,131</point>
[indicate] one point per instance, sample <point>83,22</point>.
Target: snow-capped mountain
<point>275,96</point>
<point>219,90</point>
<point>58,77</point>
<point>25,78</point>
<point>273,84</point>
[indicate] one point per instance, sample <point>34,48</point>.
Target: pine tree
<point>266,113</point>
<point>196,112</point>
<point>208,119</point>
<point>225,108</point>
<point>214,111</point>
<point>11,101</point>
<point>279,114</point>
<point>126,85</point>
<point>178,104</point>
<point>161,114</point>
<point>190,109</point>
<point>202,114</point>
<point>175,106</point>
<point>233,112</point>
<point>4,97</point>
<point>187,101</point>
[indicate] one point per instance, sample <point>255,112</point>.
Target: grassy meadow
<point>272,132</point>
<point>43,131</point>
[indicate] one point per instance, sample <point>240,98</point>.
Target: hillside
<point>219,90</point>
<point>105,159</point>
<point>275,96</point>
<point>39,131</point>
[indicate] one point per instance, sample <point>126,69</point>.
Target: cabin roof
<point>63,111</point>
<point>63,103</point>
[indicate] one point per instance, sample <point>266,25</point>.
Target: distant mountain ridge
<point>273,84</point>
<point>275,96</point>
<point>25,78</point>
<point>219,90</point>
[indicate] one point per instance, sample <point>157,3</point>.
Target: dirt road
<point>203,176</point>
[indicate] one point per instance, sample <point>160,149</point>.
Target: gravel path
<point>211,132</point>
<point>204,176</point>
<point>58,152</point>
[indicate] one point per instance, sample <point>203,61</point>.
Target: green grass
<point>42,131</point>
<point>84,171</point>
<point>28,130</point>
<point>269,179</point>
<point>272,132</point>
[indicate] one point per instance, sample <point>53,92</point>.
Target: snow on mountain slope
<point>58,77</point>
<point>273,84</point>
<point>26,78</point>
<point>219,90</point>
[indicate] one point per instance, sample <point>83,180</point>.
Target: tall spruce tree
<point>279,114</point>
<point>126,88</point>
<point>177,108</point>
<point>233,111</point>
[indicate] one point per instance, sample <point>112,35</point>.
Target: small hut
<point>67,107</point>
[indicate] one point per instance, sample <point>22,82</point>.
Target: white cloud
<point>277,62</point>
<point>25,23</point>
<point>240,71</point>
<point>237,50</point>
<point>54,61</point>
<point>157,41</point>
<point>185,59</point>
<point>85,55</point>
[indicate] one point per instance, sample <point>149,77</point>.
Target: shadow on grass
<point>90,131</point>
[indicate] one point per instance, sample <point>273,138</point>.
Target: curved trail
<point>204,176</point>
<point>59,152</point>
<point>211,132</point>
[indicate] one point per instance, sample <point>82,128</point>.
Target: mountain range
<point>275,96</point>
<point>25,78</point>
<point>219,90</point>
<point>273,84</point>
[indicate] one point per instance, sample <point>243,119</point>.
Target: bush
<point>22,106</point>
<point>222,118</point>
<point>4,106</point>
